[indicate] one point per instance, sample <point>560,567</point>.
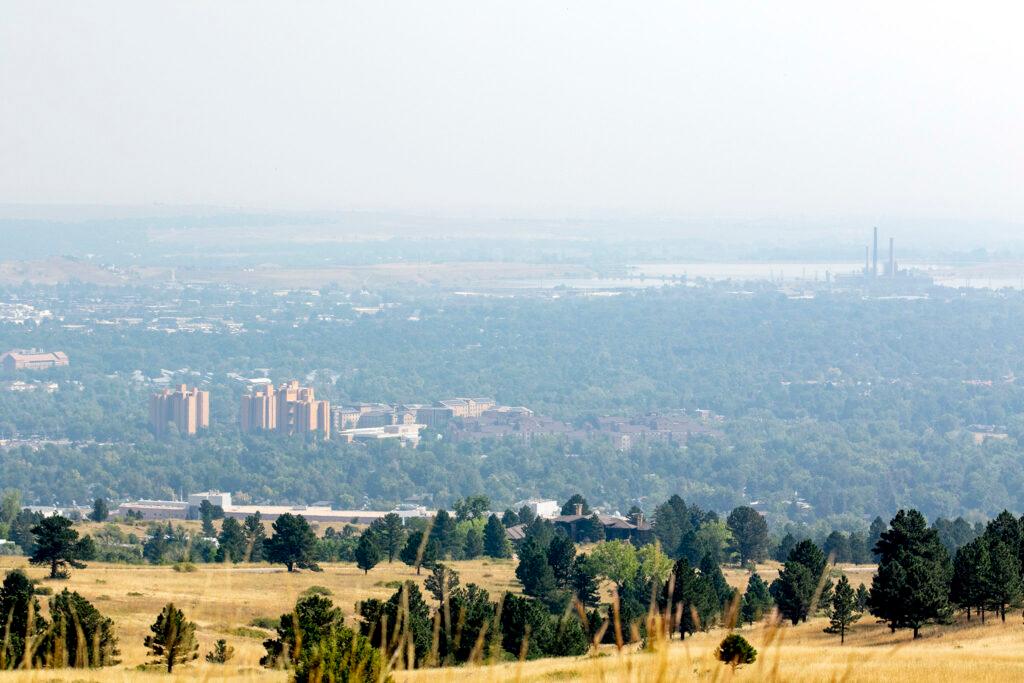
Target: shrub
<point>735,651</point>
<point>317,590</point>
<point>220,653</point>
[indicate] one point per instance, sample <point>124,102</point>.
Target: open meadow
<point>224,601</point>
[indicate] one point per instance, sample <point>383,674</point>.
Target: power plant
<point>871,259</point>
<point>891,280</point>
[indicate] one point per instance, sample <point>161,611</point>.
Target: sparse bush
<point>220,653</point>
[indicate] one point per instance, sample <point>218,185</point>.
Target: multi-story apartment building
<point>188,409</point>
<point>290,408</point>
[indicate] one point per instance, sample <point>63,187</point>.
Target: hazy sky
<point>738,109</point>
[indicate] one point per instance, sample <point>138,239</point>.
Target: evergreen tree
<point>443,580</point>
<point>255,537</point>
<point>293,543</point>
<point>526,515</point>
<point>808,554</point>
<point>837,547</point>
<point>391,535</point>
<point>206,515</point>
<point>174,638</point>
<point>561,553</point>
<point>509,518</point>
<point>221,652</point>
<point>368,551</point>
<point>495,539</point>
<point>342,655</point>
<point>736,651</point>
<point>843,611</point>
<point>694,602</point>
<point>231,544</point>
<point>525,626</point>
<point>406,614</point>
<point>1002,583</point>
<point>583,581</point>
<point>100,510</point>
<point>21,622</point>
<point>474,546</point>
<point>794,591</point>
<point>724,593</point>
<point>533,570</point>
<point>79,636</point>
<point>58,545</point>
<point>911,588</point>
<point>570,506</point>
<point>786,546</point>
<point>749,533</point>
<point>875,532</point>
<point>862,598</point>
<point>971,571</point>
<point>419,551</point>
<point>302,630</point>
<point>756,600</point>
<point>442,532</point>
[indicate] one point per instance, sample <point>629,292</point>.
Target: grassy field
<point>224,600</point>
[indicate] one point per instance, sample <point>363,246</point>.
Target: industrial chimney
<point>874,255</point>
<point>892,258</point>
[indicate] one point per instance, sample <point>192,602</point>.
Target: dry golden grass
<point>220,599</point>
<point>223,599</point>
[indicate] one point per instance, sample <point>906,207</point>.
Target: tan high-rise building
<point>258,412</point>
<point>290,408</point>
<point>188,409</point>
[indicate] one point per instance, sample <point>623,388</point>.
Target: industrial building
<point>33,359</point>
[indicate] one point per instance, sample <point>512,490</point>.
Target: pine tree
<point>561,553</point>
<point>419,551</point>
<point>911,588</point>
<point>843,609</point>
<point>174,638</point>
<point>495,539</point>
<point>255,537</point>
<point>443,580</point>
<point>368,551</point>
<point>971,569</point>
<point>750,534</point>
<point>509,518</point>
<point>391,534</point>
<point>293,542</point>
<point>206,515</point>
<point>231,544</point>
<point>474,546</point>
<point>756,600</point>
<point>221,652</point>
<point>724,593</point>
<point>736,651</point>
<point>583,582</point>
<point>21,621</point>
<point>794,591</point>
<point>1002,583</point>
<point>862,598</point>
<point>442,531</point>
<point>100,510</point>
<point>80,637</point>
<point>58,546</point>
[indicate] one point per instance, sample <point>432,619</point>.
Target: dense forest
<point>835,408</point>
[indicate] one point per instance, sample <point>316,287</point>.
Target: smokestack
<point>892,258</point>
<point>867,260</point>
<point>874,255</point>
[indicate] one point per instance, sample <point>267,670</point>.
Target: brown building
<point>33,360</point>
<point>290,408</point>
<point>188,409</point>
